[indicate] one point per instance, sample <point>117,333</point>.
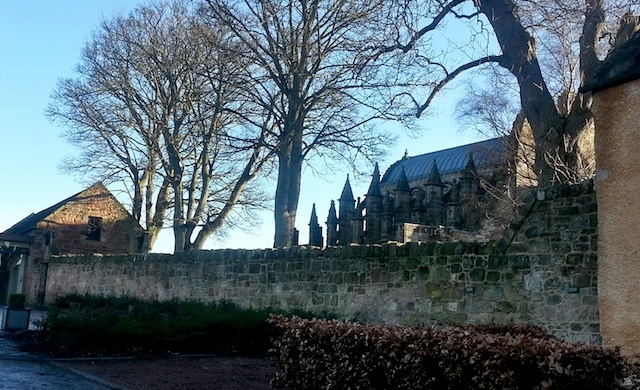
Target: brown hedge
<point>320,354</point>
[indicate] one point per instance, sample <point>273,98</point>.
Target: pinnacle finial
<point>314,216</point>
<point>434,174</point>
<point>403,182</point>
<point>333,215</point>
<point>374,187</point>
<point>347,193</point>
<point>471,164</point>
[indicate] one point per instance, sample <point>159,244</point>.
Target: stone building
<point>616,103</point>
<point>91,221</point>
<point>420,198</point>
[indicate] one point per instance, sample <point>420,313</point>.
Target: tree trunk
<point>182,236</point>
<point>287,196</point>
<point>290,159</point>
<point>519,57</point>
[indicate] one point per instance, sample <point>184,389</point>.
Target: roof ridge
<point>449,160</point>
<point>30,222</point>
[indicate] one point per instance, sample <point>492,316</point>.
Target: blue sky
<point>40,42</point>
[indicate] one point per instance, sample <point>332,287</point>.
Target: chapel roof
<point>31,221</point>
<point>485,154</point>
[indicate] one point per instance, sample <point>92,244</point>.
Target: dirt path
<point>203,373</point>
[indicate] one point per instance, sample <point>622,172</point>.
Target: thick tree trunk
<point>519,57</point>
<point>182,235</point>
<point>290,158</point>
<point>287,196</point>
<point>150,239</point>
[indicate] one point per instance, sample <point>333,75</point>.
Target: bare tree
<point>307,84</point>
<point>153,106</point>
<point>549,47</point>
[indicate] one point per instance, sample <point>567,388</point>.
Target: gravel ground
<point>220,373</point>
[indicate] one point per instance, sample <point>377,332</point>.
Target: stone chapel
<point>433,196</point>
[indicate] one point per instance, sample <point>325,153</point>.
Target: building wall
<point>65,231</point>
<point>35,269</point>
<point>618,182</point>
<point>543,272</point>
<point>69,223</point>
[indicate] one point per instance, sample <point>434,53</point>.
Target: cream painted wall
<point>617,144</point>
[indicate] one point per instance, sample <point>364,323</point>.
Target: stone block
<point>477,274</point>
<point>506,307</point>
<point>412,263</point>
<point>593,221</point>
<point>440,274</point>
<point>453,293</point>
<point>480,262</point>
<point>568,210</point>
<point>553,299</point>
<point>423,273</point>
<point>496,262</point>
<point>548,313</point>
<point>441,260</point>
<point>468,262</point>
<point>582,281</point>
<point>428,248</point>
<point>485,248</point>
<point>574,258</point>
<point>536,297</point>
<point>539,246</point>
<point>493,276</point>
<point>376,276</point>
<point>433,290</point>
<point>553,283</point>
<point>589,208</point>
<point>394,266</point>
<point>254,268</point>
<point>519,262</point>
<point>454,259</point>
<point>351,278</point>
<point>533,281</point>
<point>518,248</point>
<point>493,294</point>
<point>560,247</point>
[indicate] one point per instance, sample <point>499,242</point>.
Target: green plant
<point>17,301</point>
<point>82,325</point>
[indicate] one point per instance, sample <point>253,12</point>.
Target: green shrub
<point>78,325</point>
<point>328,355</point>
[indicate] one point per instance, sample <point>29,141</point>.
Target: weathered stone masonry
<point>543,272</point>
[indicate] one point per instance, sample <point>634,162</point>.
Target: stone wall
<point>543,272</point>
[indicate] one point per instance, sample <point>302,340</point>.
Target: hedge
<point>321,354</point>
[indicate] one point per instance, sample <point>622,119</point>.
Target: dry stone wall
<point>543,272</point>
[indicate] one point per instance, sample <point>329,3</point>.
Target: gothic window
<point>94,228</point>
